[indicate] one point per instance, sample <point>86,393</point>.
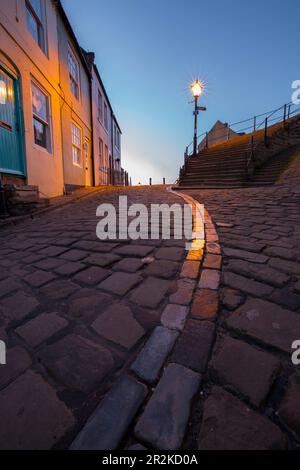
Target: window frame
<point>42,121</point>
<point>101,154</point>
<point>105,115</point>
<point>41,25</point>
<point>100,106</point>
<point>74,145</point>
<point>72,55</point>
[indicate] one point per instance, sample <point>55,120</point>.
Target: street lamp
<point>196,89</point>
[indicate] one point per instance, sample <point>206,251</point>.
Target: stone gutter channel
<point>150,405</point>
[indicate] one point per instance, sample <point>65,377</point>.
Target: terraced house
<point>58,130</point>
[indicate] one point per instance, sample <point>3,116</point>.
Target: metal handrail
<point>252,149</point>
<point>288,113</point>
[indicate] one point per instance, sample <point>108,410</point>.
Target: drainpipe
<point>92,132</point>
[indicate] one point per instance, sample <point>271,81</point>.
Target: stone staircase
<point>21,200</point>
<point>225,165</point>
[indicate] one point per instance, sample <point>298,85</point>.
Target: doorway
<point>11,147</point>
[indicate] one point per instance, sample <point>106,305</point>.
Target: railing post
<point>150,181</point>
<point>284,114</point>
<point>289,111</point>
<point>164,181</point>
<point>266,130</point>
<point>254,124</point>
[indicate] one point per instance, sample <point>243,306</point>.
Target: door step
<point>23,200</point>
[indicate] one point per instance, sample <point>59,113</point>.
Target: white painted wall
<point>44,169</point>
<point>73,110</point>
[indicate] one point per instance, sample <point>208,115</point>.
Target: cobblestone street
<point>140,344</point>
<point>252,388</point>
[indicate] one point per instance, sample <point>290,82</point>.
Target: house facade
<point>51,121</point>
<point>106,132</point>
<point>30,128</point>
<point>220,132</point>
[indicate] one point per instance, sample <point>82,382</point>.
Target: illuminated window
<point>105,116</point>
<point>35,17</point>
<point>73,73</point>
<point>41,117</point>
<point>76,144</point>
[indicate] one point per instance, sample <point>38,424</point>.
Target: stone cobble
<point>259,234</point>
<point>75,310</point>
<point>78,312</point>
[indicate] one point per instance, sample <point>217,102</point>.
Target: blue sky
<point>149,51</point>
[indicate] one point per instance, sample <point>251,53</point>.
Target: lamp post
<point>197,89</point>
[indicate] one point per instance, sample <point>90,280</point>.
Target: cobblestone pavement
<point>140,344</point>
<point>89,325</point>
<point>250,395</point>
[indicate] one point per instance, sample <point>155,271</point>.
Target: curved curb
<point>166,375</point>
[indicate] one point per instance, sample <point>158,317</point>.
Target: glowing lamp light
<point>197,89</point>
<point>3,92</point>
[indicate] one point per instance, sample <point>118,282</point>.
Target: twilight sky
<point>148,51</point>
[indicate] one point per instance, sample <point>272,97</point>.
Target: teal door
<point>11,148</point>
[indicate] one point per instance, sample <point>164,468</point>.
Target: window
<point>35,17</point>
<point>73,73</point>
<point>76,144</point>
<point>101,162</point>
<point>41,118</point>
<point>115,134</point>
<point>100,107</point>
<point>106,154</point>
<point>105,116</point>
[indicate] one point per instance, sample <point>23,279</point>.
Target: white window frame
<point>41,25</point>
<point>76,146</point>
<point>36,117</point>
<point>73,57</point>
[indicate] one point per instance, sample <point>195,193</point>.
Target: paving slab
<point>194,345</point>
<point>151,292</point>
<point>26,423</point>
<point>109,423</point>
<point>267,323</point>
<point>17,361</point>
<point>246,369</point>
<point>228,424</point>
<point>17,307</point>
<point>163,423</point>
<point>41,328</point>
<point>151,359</point>
<point>77,362</point>
<point>117,324</point>
<point>289,410</point>
<point>174,317</point>
<point>120,283</point>
<point>205,304</point>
